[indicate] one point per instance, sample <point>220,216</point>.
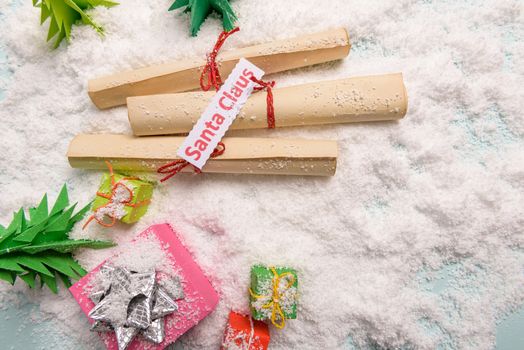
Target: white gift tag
<point>219,114</point>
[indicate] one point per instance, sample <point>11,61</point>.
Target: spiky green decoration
<point>40,246</point>
<point>64,13</point>
<point>200,9</point>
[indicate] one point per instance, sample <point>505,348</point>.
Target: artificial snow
<point>248,341</point>
<point>443,186</point>
<point>117,204</point>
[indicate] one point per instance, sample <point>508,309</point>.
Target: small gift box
<point>134,309</point>
<point>273,294</point>
<point>121,198</point>
<point>244,333</point>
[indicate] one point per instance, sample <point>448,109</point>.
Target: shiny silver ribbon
<point>132,304</point>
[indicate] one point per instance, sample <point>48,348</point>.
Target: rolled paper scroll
<point>360,99</point>
<point>277,56</point>
<point>242,155</point>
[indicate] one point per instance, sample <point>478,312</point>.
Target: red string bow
<point>210,70</point>
<point>176,166</point>
<point>117,188</point>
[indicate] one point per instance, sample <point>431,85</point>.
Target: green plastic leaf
<point>228,16</point>
<point>61,36</point>
<point>81,213</point>
<point>27,249</point>
<point>39,213</point>
<point>24,224</point>
<point>67,246</point>
<point>18,221</point>
<point>178,4</point>
<point>30,234</point>
<point>45,237</point>
<point>65,280</point>
<point>85,18</point>
<point>61,222</point>
<point>34,263</point>
<point>61,263</point>
<point>5,235</point>
<point>45,12</point>
<point>10,263</point>
<point>13,247</point>
<point>29,278</point>
<point>62,201</point>
<point>15,226</point>
<point>50,282</point>
<point>201,9</point>
<point>199,12</point>
<point>7,276</point>
<point>53,29</point>
<point>78,269</point>
<point>63,14</point>
<point>106,3</point>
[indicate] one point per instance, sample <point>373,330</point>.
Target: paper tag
<point>219,114</point>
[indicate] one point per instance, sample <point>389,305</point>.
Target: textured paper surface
<point>358,99</point>
<point>219,114</point>
<point>196,288</point>
<point>242,156</point>
<point>273,57</point>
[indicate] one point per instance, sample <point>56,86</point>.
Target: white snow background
<point>443,187</point>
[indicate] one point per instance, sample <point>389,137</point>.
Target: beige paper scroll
<point>242,155</point>
<point>112,90</point>
<point>360,99</point>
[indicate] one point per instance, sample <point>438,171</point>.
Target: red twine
<point>176,166</point>
<point>212,74</point>
<point>268,86</point>
<point>111,197</point>
<point>210,70</point>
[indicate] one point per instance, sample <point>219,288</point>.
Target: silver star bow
<point>132,304</point>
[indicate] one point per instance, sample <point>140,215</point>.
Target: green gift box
<point>129,196</point>
<point>273,294</point>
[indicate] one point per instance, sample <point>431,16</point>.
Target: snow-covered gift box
<point>244,333</point>
<point>273,294</point>
<point>123,197</point>
<point>157,249</point>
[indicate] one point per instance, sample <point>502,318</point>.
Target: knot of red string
<point>210,71</point>
<point>113,201</point>
<point>211,76</point>
<point>176,166</point>
<point>268,86</point>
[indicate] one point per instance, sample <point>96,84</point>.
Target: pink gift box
<point>199,301</point>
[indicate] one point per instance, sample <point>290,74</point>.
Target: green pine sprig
<point>64,13</point>
<point>40,245</point>
<point>201,9</point>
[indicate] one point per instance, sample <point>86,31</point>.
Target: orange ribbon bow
<point>121,196</point>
